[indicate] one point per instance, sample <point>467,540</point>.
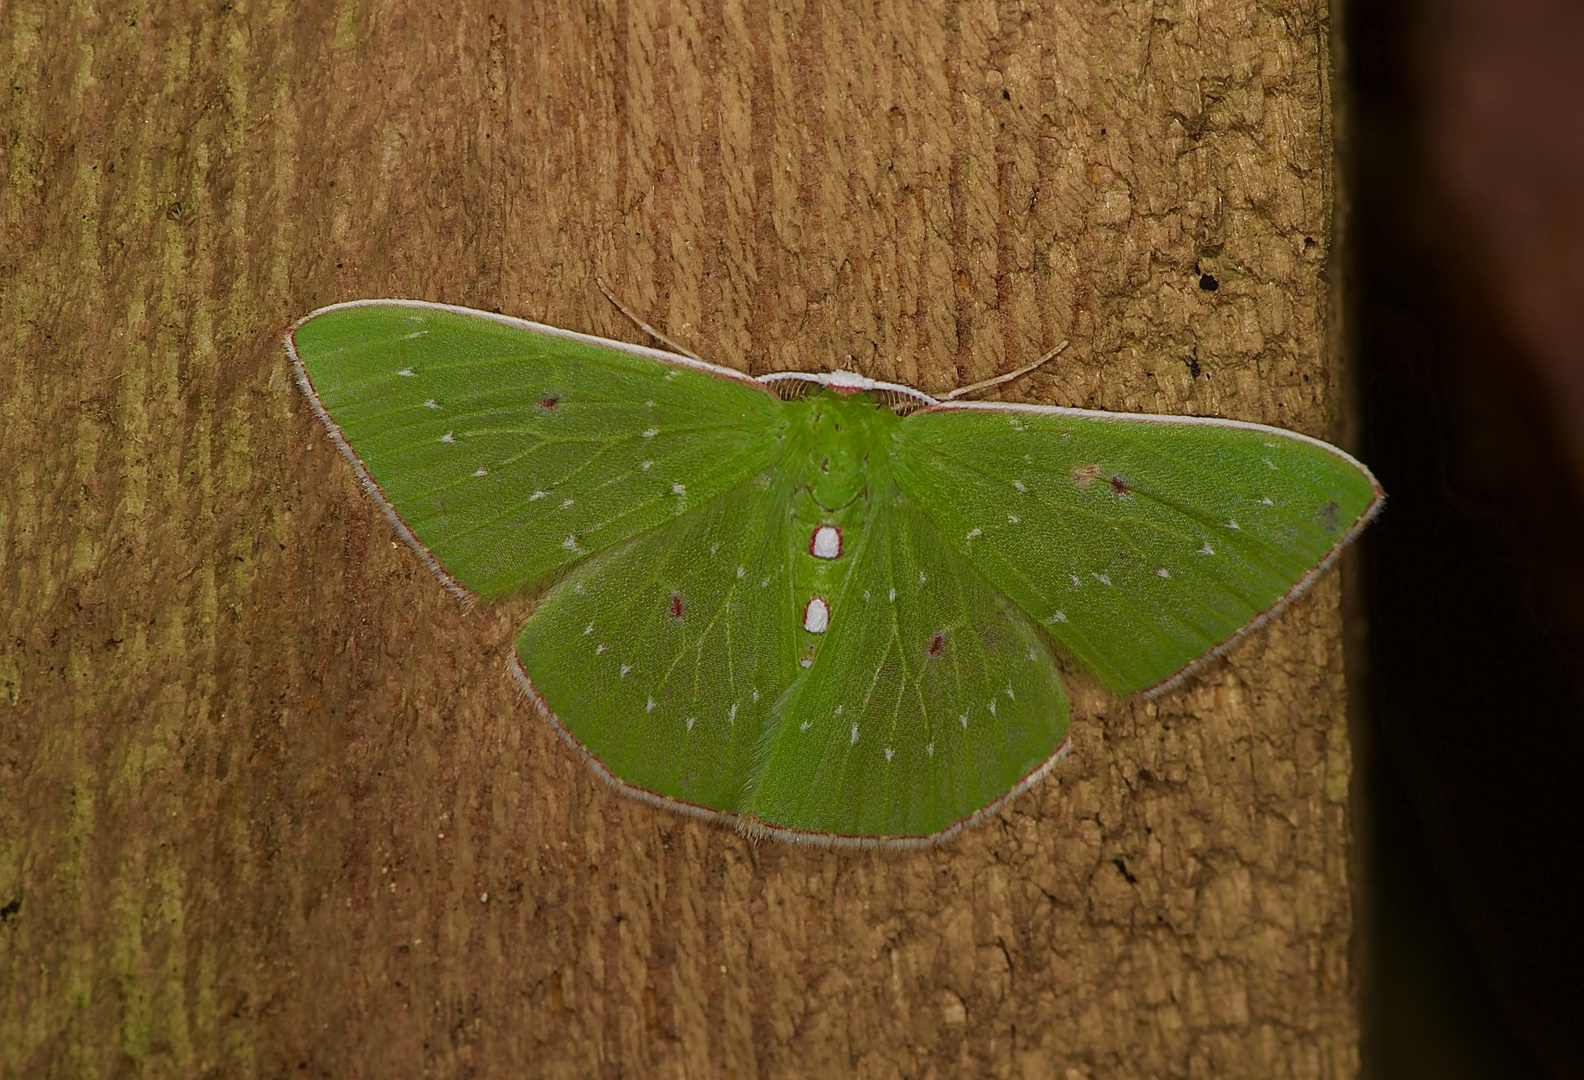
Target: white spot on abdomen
<point>827,542</point>
<point>651,433</point>
<point>448,437</point>
<point>816,616</point>
<point>431,404</point>
<point>890,753</point>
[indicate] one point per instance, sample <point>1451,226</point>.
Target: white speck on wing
<point>1207,549</point>
<point>756,697</point>
<point>650,707</point>
<point>589,629</point>
<point>1232,523</point>
<point>1162,572</point>
<point>1104,579</point>
<point>1268,463</point>
<point>991,706</point>
<point>714,548</point>
<point>838,711</point>
<point>570,543</point>
<point>855,733</point>
<point>805,725</point>
<point>929,748</point>
<point>431,404</point>
<point>731,715</point>
<point>1019,485</point>
<point>1076,581</point>
<point>679,489</point>
<point>741,570</point>
<point>973,533</point>
<point>921,577</point>
<point>1266,500</point>
<point>566,504</point>
<point>826,543</point>
<point>1013,518</point>
<point>1010,695</point>
<point>650,433</point>
<point>763,583</point>
<point>599,649</point>
<point>480,472</point>
<point>890,753</point>
<point>407,372</point>
<point>644,465</point>
<point>1058,617</point>
<point>449,437</point>
<point>893,596</point>
<point>536,495</point>
<point>691,721</point>
<point>1032,655</point>
<point>963,718</point>
<point>625,668</point>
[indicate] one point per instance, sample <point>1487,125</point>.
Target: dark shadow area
<point>1465,303</point>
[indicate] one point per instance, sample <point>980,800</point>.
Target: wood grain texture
<point>271,805</point>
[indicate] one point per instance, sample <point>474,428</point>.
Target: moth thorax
<point>826,542</point>
<point>816,616</point>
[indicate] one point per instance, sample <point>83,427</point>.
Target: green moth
<point>824,608</point>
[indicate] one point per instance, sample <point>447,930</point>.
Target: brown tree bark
<point>270,804</point>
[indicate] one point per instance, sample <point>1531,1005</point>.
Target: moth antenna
<point>645,327</point>
<point>1008,377</point>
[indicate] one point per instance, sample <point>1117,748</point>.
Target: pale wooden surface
<point>260,769</point>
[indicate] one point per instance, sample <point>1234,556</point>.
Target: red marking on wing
<point>678,608</point>
<point>937,643</point>
<point>550,402</point>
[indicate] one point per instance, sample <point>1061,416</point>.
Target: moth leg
<point>645,327</point>
<point>1008,377</point>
